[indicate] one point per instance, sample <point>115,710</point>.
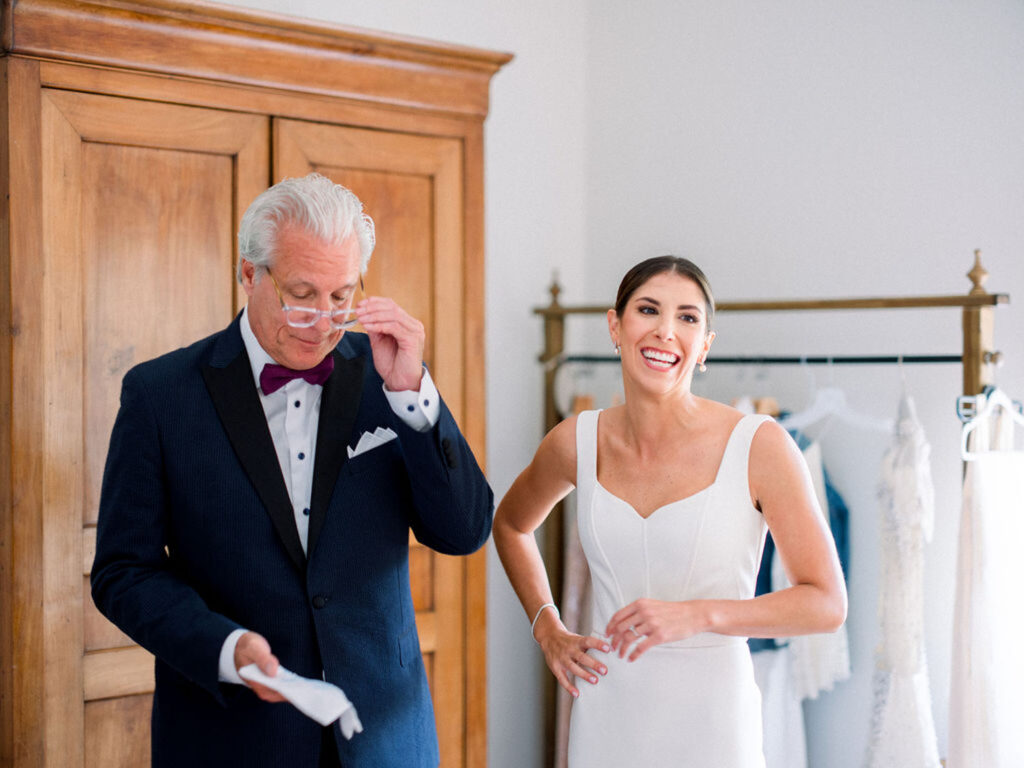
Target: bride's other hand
<point>566,655</point>
<point>653,622</point>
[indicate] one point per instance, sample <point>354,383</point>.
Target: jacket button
<point>319,601</point>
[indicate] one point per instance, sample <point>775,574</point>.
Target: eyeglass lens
<point>299,317</point>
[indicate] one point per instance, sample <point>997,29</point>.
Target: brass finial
<point>555,289</point>
<point>978,275</point>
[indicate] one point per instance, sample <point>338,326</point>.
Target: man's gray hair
<point>314,204</point>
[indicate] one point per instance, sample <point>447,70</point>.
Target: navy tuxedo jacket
<point>197,537</point>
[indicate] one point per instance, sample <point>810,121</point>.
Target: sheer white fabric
<point>902,728</point>
<point>987,694</point>
<point>782,711</point>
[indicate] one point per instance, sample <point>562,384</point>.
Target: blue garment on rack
<point>838,521</point>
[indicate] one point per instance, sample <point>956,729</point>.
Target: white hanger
<point>995,398</point>
<point>827,401</point>
<point>830,402</point>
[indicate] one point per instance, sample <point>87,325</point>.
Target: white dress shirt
<point>293,413</point>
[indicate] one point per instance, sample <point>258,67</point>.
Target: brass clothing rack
<point>777,360</point>
<point>977,309</point>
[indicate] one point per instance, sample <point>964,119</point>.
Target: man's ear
<point>248,276</point>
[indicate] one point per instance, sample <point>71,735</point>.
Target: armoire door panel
<point>412,186</point>
<point>117,732</point>
<point>157,263</point>
<point>141,264</point>
<point>117,672</point>
<point>421,575</point>
<point>155,234</point>
<point>158,125</point>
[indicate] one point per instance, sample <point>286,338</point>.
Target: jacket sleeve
<point>134,583</point>
<point>453,504</point>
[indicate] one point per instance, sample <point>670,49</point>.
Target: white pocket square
<point>370,440</point>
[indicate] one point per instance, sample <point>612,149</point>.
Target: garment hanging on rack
<point>782,712</point>
<point>902,728</point>
<point>993,401</point>
<point>819,661</point>
<point>791,670</point>
<point>987,690</point>
<point>833,504</point>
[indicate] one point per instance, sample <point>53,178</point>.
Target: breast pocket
<point>381,458</point>
<point>372,502</point>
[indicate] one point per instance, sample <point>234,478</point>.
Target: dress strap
<point>737,451</point>
<point>586,448</point>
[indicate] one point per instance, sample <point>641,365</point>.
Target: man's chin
<point>306,359</point>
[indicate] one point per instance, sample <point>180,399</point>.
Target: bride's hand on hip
<point>645,623</point>
<point>566,655</point>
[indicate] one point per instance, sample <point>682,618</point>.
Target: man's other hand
<point>396,339</point>
<point>254,649</point>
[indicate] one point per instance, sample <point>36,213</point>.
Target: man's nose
<point>323,322</point>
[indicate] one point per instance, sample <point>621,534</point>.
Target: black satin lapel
<point>237,402</point>
<point>339,405</point>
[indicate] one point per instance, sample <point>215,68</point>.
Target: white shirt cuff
<point>226,671</point>
<point>419,410</point>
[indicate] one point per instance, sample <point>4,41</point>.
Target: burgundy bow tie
<point>274,376</point>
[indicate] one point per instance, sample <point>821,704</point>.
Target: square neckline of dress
<point>694,495</point>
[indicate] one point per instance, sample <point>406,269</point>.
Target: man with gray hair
<point>257,500</point>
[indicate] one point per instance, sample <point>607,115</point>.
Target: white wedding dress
<point>687,704</point>
<point>902,726</point>
<point>986,700</point>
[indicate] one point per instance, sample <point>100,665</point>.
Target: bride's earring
<point>701,367</point>
<point>617,349</point>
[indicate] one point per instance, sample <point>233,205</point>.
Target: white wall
<point>534,165</point>
<point>801,149</point>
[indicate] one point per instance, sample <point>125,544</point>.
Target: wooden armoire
<point>132,137</point>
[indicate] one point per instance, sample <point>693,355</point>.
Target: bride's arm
<point>548,479</point>
<point>781,488</point>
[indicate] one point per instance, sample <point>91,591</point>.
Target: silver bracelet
<point>533,624</point>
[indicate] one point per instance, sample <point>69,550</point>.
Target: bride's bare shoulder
<point>718,416</point>
<point>560,442</point>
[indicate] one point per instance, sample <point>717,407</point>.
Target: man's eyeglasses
<point>306,317</point>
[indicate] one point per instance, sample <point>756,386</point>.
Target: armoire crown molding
<point>229,44</point>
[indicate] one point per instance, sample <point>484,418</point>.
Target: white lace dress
<point>902,728</point>
<point>692,703</point>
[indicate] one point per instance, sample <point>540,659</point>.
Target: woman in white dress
<point>674,495</point>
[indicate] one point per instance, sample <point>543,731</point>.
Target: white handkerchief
<point>370,440</point>
<point>317,699</point>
